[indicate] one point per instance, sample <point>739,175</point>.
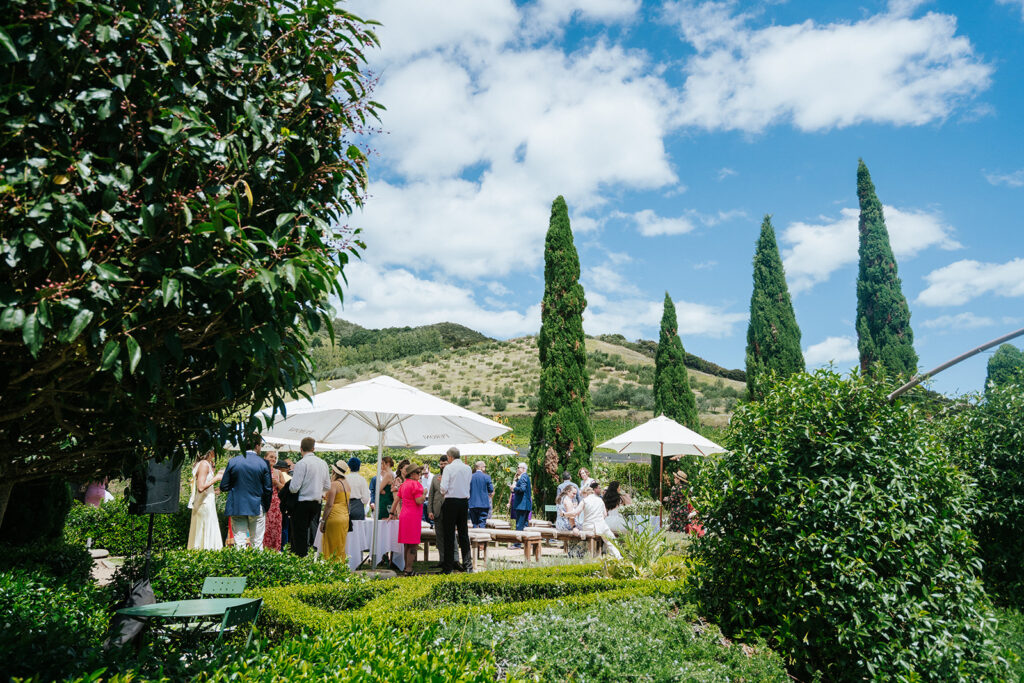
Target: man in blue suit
<point>481,491</point>
<point>247,483</point>
<point>522,498</point>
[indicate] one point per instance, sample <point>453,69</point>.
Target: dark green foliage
<point>112,528</point>
<point>659,640</point>
<point>989,438</point>
<point>884,336</point>
<point>839,530</point>
<point>673,397</point>
<point>773,337</point>
<point>179,574</point>
<point>36,511</point>
<point>1006,365</point>
<point>175,182</point>
<point>48,628</point>
<point>61,562</point>
<point>1010,639</point>
<point>562,421</point>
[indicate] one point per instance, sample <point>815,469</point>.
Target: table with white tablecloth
<point>359,539</point>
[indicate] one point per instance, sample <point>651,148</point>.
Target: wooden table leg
<point>536,550</point>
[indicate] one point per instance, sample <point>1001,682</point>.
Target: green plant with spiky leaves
<point>884,336</point>
<point>562,421</point>
<point>773,337</point>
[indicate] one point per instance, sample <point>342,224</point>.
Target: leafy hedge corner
<point>111,527</point>
<point>63,562</point>
<point>838,529</point>
<point>426,600</point>
<point>48,628</point>
<point>179,574</point>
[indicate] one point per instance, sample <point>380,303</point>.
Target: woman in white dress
<point>204,532</point>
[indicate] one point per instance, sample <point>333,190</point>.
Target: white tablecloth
<point>359,539</point>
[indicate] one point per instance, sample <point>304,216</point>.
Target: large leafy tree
<point>176,178</point>
<point>884,337</point>
<point>562,421</point>
<point>1005,366</point>
<point>673,396</point>
<point>773,337</point>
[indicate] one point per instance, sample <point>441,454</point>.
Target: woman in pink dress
<point>272,535</point>
<point>412,497</point>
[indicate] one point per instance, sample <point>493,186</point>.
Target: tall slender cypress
<point>673,397</point>
<point>884,337</point>
<point>773,337</point>
<point>563,411</point>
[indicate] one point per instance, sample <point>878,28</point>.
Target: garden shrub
<point>989,439</point>
<point>1010,640</point>
<point>36,511</point>
<point>63,562</point>
<point>639,639</point>
<point>48,626</point>
<point>426,600</point>
<point>111,527</point>
<point>179,574</point>
<point>838,529</point>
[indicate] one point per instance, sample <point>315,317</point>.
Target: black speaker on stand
<point>155,489</point>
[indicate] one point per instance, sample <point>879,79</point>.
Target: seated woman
<point>613,500</point>
<point>568,508</point>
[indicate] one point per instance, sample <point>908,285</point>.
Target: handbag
<point>286,499</point>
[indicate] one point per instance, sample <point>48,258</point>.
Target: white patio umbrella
<point>663,437</point>
<point>293,445</point>
<point>485,448</point>
<point>384,411</point>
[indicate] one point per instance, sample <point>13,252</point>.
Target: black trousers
<point>305,519</point>
<point>455,515</point>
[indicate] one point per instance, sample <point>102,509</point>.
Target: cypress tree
<point>1005,366</point>
<point>773,337</point>
<point>884,336</point>
<point>673,397</point>
<point>562,421</point>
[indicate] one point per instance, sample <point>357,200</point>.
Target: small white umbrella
<point>485,448</point>
<point>385,411</point>
<point>663,437</point>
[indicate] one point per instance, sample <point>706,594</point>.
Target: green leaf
<point>106,271</point>
<point>8,44</point>
<point>32,334</point>
<point>150,158</point>
<point>78,323</point>
<point>134,353</point>
<point>11,319</point>
<point>110,352</point>
<point>172,290</point>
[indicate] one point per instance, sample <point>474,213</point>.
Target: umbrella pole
<point>661,478</point>
<point>376,500</point>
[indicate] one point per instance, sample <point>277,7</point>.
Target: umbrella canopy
<point>382,407</point>
<point>485,448</point>
<point>384,411</point>
<point>293,445</point>
<point>662,436</point>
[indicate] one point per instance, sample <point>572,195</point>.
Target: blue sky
<point>672,129</point>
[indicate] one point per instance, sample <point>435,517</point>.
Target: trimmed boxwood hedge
<point>425,600</point>
<point>112,528</point>
<point>179,574</point>
<point>64,563</point>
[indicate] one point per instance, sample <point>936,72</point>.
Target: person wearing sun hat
<point>335,518</point>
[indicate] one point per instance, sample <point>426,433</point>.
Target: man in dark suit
<point>522,498</point>
<point>481,491</point>
<point>247,483</point>
<point>435,505</point>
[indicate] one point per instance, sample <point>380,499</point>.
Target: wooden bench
<point>478,540</point>
<point>531,540</point>
<point>594,542</point>
<point>498,524</point>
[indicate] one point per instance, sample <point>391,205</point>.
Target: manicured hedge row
<point>65,563</point>
<point>426,600</point>
<point>111,527</point>
<point>179,574</point>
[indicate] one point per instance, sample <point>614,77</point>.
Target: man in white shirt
<point>311,478</point>
<point>591,519</point>
<point>455,480</point>
<point>426,479</point>
<point>360,489</point>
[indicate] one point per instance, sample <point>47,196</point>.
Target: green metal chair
<point>239,616</point>
<point>223,585</point>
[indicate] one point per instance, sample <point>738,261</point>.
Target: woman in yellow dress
<point>334,523</point>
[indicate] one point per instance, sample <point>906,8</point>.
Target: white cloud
<point>724,173</point>
<point>816,250</point>
<point>962,281</point>
<point>962,321</point>
<point>888,68</point>
<point>833,350</point>
<point>385,298</point>
<point>634,317</point>
<point>650,224</point>
<point>551,14</point>
<point>1014,3</point>
<point>1014,179</point>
